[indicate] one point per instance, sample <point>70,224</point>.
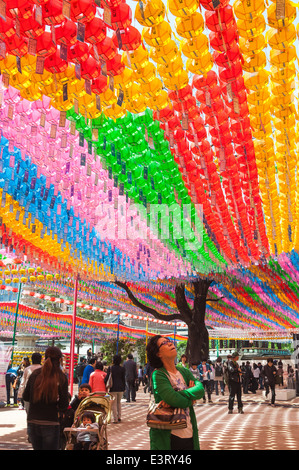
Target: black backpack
<point>218,370</point>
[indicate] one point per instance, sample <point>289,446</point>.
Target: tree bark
<point>198,337</point>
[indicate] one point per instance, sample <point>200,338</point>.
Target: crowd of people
<point>41,388</point>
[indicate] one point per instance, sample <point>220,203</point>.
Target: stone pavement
<point>261,427</point>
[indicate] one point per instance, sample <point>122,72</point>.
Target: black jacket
<point>130,369</point>
<point>233,371</point>
<point>269,374</point>
<point>118,378</point>
<point>42,411</point>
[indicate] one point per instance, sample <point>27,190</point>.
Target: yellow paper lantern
<point>135,59</point>
<point>150,13</point>
<point>201,65</point>
<point>164,54</point>
<point>145,74</point>
<point>191,26</point>
<point>281,38</point>
<point>152,88</point>
<point>252,45</point>
<point>289,15</point>
<point>19,81</point>
<point>255,62</point>
<point>252,27</point>
<point>194,47</point>
<point>158,35</point>
<point>246,10</point>
<point>183,8</point>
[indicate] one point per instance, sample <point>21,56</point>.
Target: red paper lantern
<point>25,10</point>
<point>45,45</point>
<point>201,81</point>
<point>221,19</point>
<point>203,96</point>
<point>66,33</point>
<point>95,31</point>
<point>209,4</point>
<point>223,40</point>
<point>31,28</point>
<point>121,17</point>
<point>82,11</point>
<point>185,106</point>
<point>17,46</point>
<point>78,53</point>
<point>163,115</point>
<point>7,28</point>
<point>99,85</point>
<point>39,2</point>
<point>113,3</point>
<point>115,66</point>
<point>55,64</point>
<point>130,38</point>
<point>90,69</point>
<point>231,74</point>
<point>106,49</point>
<point>228,58</point>
<point>52,12</point>
<point>182,94</point>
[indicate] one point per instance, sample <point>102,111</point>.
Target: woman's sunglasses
<point>167,341</point>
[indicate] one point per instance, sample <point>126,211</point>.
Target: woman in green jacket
<point>175,386</point>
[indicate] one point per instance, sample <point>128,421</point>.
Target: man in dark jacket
<point>131,377</point>
<point>269,372</point>
<point>235,389</point>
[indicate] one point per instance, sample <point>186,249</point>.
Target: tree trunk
<point>198,337</point>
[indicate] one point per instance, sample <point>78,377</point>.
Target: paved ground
<point>261,427</point>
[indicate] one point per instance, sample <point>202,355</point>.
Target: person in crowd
<point>247,378</point>
<point>269,373</point>
<point>83,392</point>
<point>85,438</point>
<point>219,372</point>
<point>10,378</point>
<point>140,376</point>
<point>280,374</point>
<point>118,386</point>
<point>261,379</point>
<point>66,420</point>
<point>36,359</point>
<point>235,390</point>
<point>80,369</point>
<point>47,394</point>
<point>255,379</point>
<point>212,375</point>
<point>205,370</point>
<point>131,377</point>
<point>89,369</point>
<point>183,361</point>
<point>194,370</point>
<point>173,386</point>
<point>148,370</point>
<point>96,379</point>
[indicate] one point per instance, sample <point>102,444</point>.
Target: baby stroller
<point>99,404</point>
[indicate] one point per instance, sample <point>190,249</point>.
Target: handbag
<point>165,417</point>
<point>109,383</point>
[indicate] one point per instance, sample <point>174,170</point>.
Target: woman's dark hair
<point>49,378</point>
<point>117,360</point>
<point>36,358</point>
<point>26,360</point>
<point>89,415</point>
<point>183,355</point>
<point>99,365</point>
<point>152,350</point>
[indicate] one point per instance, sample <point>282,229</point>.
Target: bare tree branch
<point>215,300</point>
<point>145,308</point>
<point>182,303</point>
